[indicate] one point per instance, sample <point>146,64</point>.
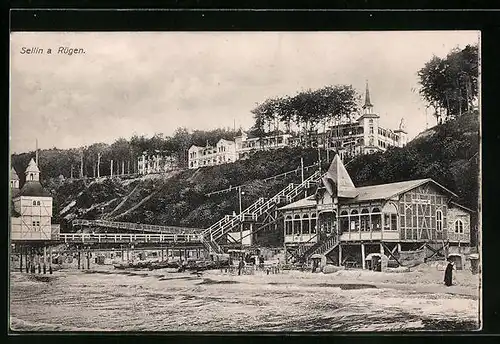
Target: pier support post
<point>44,260</point>
<point>50,260</point>
<point>21,259</point>
<point>381,249</point>
<point>340,255</point>
<point>88,260</point>
<point>32,261</point>
<point>79,257</point>
<point>399,247</point>
<point>38,261</point>
<point>27,260</point>
<point>363,263</point>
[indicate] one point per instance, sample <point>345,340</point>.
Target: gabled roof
<point>224,140</point>
<point>301,203</point>
<point>374,192</point>
<point>194,147</point>
<point>33,188</point>
<point>13,174</point>
<point>386,191</point>
<point>461,206</point>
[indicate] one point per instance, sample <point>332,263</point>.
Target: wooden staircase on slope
<point>254,211</point>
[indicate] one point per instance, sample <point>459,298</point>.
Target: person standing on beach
<point>448,274</point>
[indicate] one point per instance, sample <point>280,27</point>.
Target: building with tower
<point>31,213</point>
<point>349,224</point>
<point>364,135</point>
<point>347,138</point>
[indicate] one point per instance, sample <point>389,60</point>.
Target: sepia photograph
<point>315,181</point>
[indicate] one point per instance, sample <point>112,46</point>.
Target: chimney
<point>36,152</point>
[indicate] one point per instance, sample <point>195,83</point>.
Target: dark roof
<point>386,191</point>
<point>14,192</point>
<point>33,188</point>
<point>461,206</point>
<point>13,212</point>
<point>368,115</point>
<point>373,192</point>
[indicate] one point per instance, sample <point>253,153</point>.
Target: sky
<point>154,82</point>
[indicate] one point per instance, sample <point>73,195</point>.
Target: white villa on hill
<point>364,135</point>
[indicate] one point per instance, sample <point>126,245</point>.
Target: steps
<point>324,247</point>
<point>254,211</point>
<point>305,247</point>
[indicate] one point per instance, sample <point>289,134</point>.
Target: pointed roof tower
<point>337,181</point>
<point>32,186</point>
<point>368,102</point>
<point>368,106</point>
<point>32,171</point>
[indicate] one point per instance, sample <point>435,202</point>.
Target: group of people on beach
<point>261,266</point>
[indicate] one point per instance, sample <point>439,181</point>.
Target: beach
<point>105,299</point>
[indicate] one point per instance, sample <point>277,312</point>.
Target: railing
<point>134,226</point>
<point>281,175</point>
<point>326,246</point>
<point>304,247</point>
<point>220,228</point>
<point>125,238</point>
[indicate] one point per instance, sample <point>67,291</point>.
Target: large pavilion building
<point>347,223</point>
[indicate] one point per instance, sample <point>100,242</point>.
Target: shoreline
<point>401,281</point>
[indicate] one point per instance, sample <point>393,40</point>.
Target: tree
<point>451,83</point>
<point>306,110</point>
<point>94,155</point>
<point>181,141</point>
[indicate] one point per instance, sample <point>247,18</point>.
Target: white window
<point>439,220</point>
<point>459,227</point>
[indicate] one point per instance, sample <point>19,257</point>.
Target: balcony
<point>373,235</point>
<point>301,238</point>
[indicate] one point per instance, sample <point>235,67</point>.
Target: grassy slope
<point>179,199</point>
<point>445,153</point>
